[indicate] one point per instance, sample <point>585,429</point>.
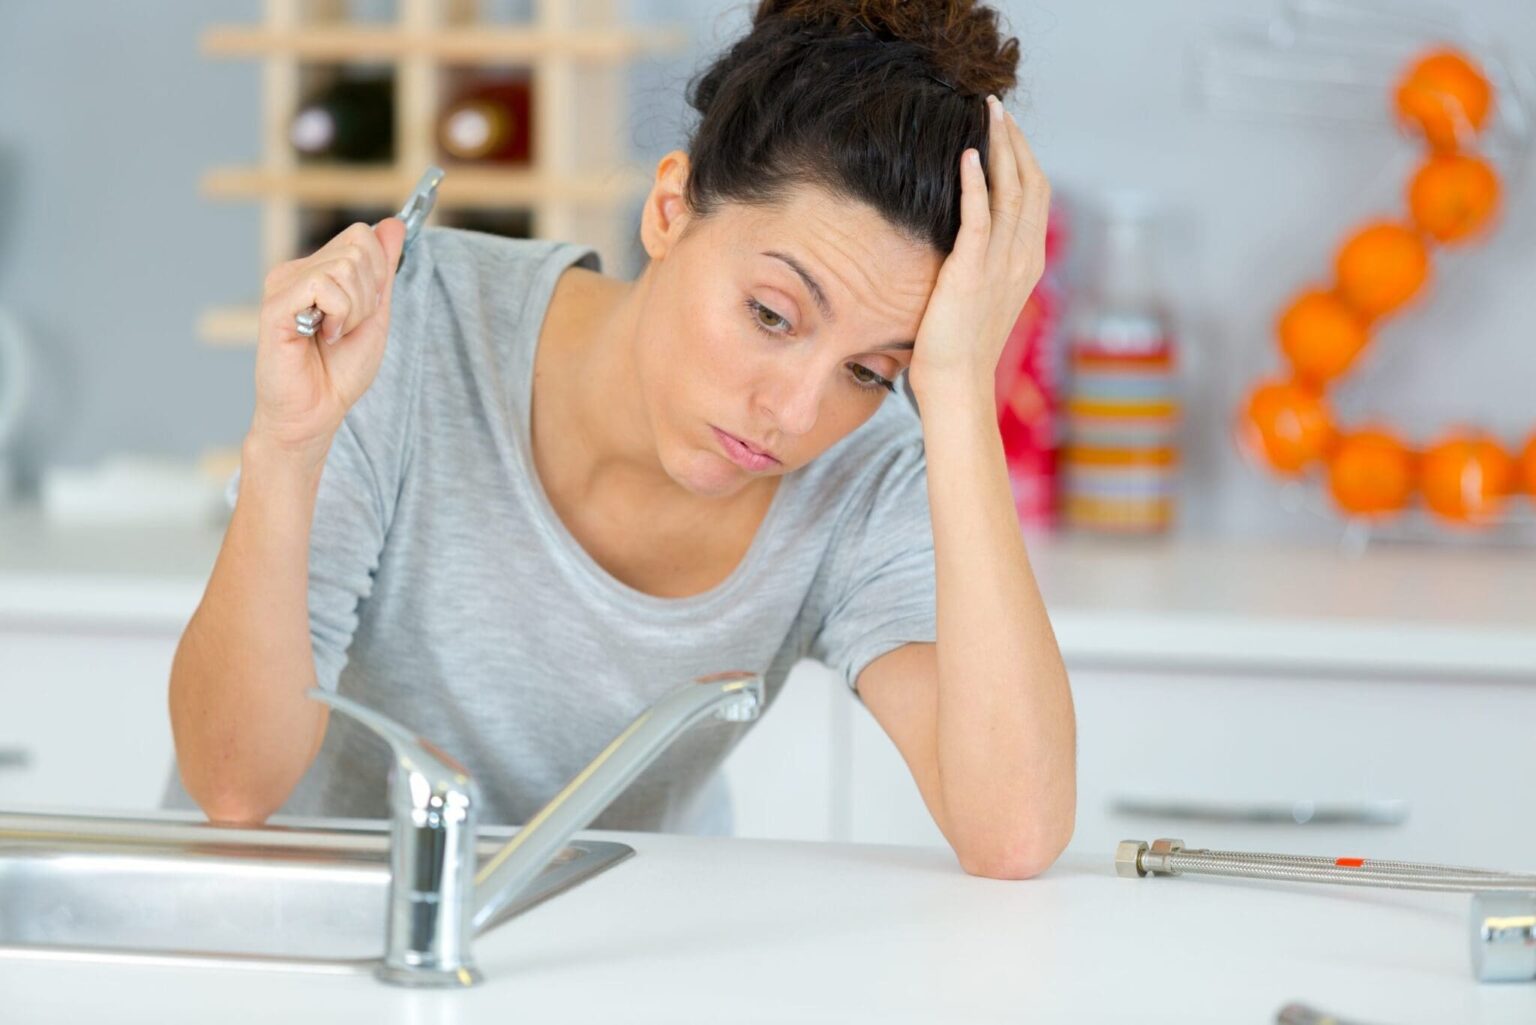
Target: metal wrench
<point>414,214</point>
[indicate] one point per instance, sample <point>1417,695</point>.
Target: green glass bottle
<point>351,120</point>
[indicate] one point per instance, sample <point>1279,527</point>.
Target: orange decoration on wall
<point>1321,334</point>
<point>1381,267</point>
<point>1444,97</point>
<point>1370,473</point>
<point>1288,424</point>
<point>1466,477</point>
<point>1453,196</point>
<point>1528,467</point>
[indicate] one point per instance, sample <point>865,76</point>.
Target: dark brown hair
<point>873,100</point>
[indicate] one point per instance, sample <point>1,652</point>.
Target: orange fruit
<point>1528,467</point>
<point>1453,196</point>
<point>1445,97</point>
<point>1381,267</point>
<point>1370,473</point>
<point>1321,334</point>
<point>1465,477</point>
<point>1286,423</point>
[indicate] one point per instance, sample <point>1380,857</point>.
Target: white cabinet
<point>1450,760</point>
<point>85,724</point>
<point>783,774</point>
<point>83,718</point>
<point>884,805</point>
<point>1458,755</point>
<point>819,767</point>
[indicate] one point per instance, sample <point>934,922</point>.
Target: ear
<point>665,215</point>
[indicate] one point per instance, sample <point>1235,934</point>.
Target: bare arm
<point>245,733</point>
<point>985,717</point>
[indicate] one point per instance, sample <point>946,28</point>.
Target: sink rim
<point>182,834</point>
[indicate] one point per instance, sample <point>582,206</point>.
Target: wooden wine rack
<point>577,188</point>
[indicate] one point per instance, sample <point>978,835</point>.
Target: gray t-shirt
<point>445,592</point>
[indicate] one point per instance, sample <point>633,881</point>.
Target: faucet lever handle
<point>420,753</point>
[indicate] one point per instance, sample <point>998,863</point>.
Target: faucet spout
<point>435,908</point>
<point>732,696</point>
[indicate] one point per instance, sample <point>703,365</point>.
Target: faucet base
<point>424,976</point>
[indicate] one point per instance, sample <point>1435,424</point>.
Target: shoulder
<point>465,248</point>
<point>469,267</point>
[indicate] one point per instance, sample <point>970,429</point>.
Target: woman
<point>552,495</point>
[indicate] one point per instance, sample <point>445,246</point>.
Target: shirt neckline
<point>535,311</point>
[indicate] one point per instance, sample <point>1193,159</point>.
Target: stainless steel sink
<point>296,894</point>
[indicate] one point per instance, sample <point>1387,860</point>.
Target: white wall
<point>108,116</point>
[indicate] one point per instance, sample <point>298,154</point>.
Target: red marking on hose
<point>1349,862</point>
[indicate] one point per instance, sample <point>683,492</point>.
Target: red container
<point>1029,383</point>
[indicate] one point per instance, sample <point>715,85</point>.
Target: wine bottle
<point>352,120</point>
<point>491,120</point>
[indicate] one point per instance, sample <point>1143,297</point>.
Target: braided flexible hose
<point>1171,857</point>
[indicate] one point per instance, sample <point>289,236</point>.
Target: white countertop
<point>118,577</point>
<point>1403,610</point>
<point>728,930</point>
<point>1399,610</point>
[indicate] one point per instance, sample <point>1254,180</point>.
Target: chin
<point>707,474</point>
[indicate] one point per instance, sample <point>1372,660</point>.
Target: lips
<point>756,448</point>
<point>744,453</point>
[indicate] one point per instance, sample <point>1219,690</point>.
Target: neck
<point>591,432</point>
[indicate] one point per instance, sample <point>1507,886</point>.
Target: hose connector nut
<point>1128,859</point>
<point>1156,858</point>
<point>1138,858</point>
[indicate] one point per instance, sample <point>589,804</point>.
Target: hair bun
<point>960,36</point>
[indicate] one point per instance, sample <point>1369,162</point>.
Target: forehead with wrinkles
<point>876,281</point>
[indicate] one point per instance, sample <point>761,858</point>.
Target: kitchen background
<point>111,115</point>
<point>1258,625</point>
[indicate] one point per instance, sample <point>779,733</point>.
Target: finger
<point>283,276</point>
<point>312,288</point>
<point>357,281</point>
<point>975,217</point>
<point>1006,194</point>
<point>1036,187</point>
<point>372,252</point>
<point>316,288</point>
<point>360,277</point>
<point>391,235</point>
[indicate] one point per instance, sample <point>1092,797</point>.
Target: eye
<point>756,308</point>
<point>863,377</point>
<point>867,378</point>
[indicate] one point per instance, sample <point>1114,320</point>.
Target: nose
<point>792,399</point>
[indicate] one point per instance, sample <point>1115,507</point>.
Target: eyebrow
<point>817,293</point>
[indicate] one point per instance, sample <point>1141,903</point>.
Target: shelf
<point>229,326</point>
<point>581,184</point>
<point>469,45</point>
<point>463,185</point>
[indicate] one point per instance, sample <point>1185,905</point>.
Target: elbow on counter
<point>228,807</point>
<point>1024,857</point>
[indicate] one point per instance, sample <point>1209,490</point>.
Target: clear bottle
<point>1120,463</point>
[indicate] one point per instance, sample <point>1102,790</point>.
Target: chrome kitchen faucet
<point>437,899</point>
